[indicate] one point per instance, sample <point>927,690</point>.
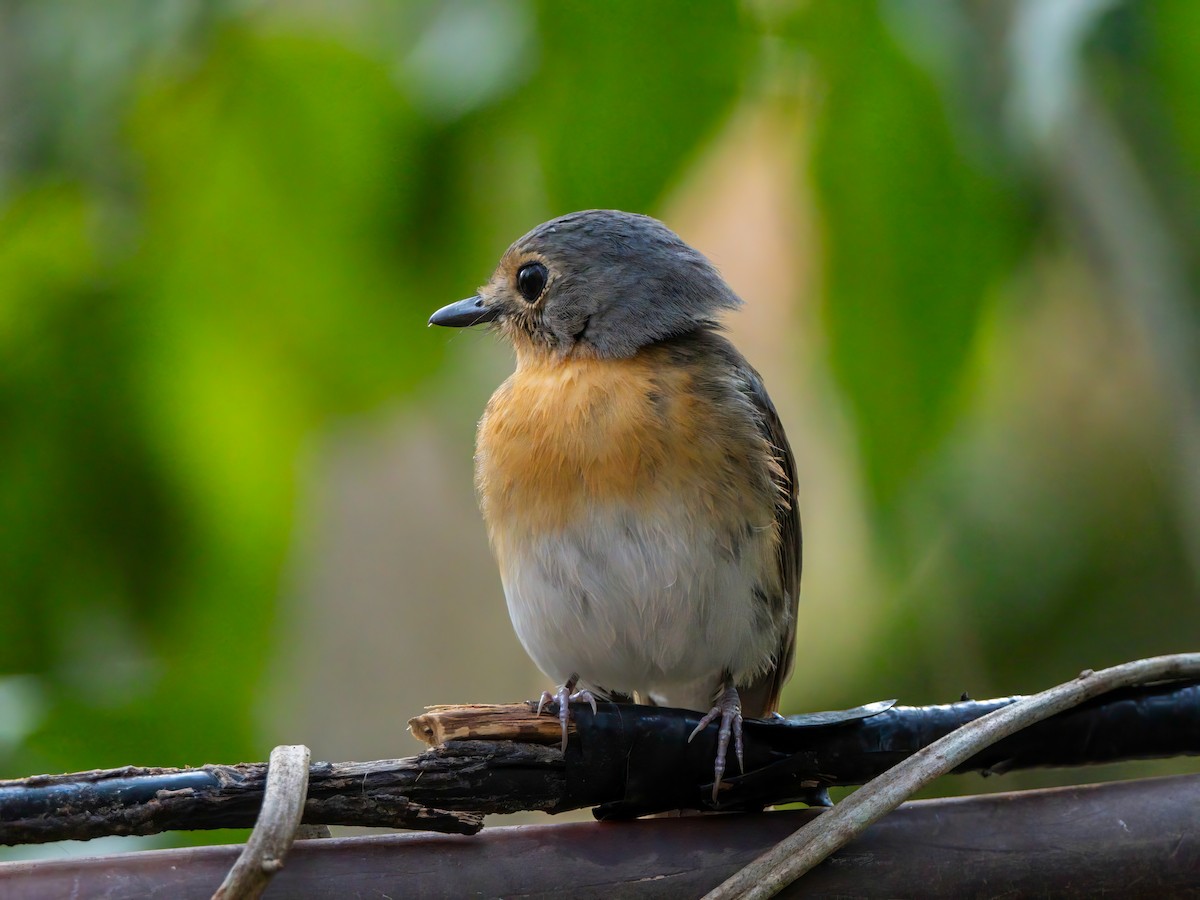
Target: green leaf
<point>158,395</point>
<point>616,106</point>
<point>917,235</point>
<point>1143,60</point>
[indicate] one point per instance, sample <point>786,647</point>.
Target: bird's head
<point>599,283</point>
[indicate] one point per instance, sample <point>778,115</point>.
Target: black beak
<point>471,311</point>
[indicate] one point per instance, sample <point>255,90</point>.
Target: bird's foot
<point>729,708</point>
<point>566,695</point>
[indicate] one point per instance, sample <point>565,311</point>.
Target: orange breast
<point>560,434</point>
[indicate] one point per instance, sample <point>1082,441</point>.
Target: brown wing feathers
<point>762,696</point>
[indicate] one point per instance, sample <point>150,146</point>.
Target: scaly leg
<point>564,697</point>
<point>729,707</point>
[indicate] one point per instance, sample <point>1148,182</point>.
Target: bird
<point>636,483</point>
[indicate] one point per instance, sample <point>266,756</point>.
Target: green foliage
<point>617,108</point>
<point>918,237</point>
<point>1148,68</point>
<point>159,386</point>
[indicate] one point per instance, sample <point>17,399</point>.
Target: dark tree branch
<point>130,801</point>
<point>626,760</point>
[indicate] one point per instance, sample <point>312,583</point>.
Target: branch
<point>798,853</point>
<point>139,801</point>
<point>275,830</point>
<point>626,760</point>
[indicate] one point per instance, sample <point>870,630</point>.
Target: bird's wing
<point>762,696</point>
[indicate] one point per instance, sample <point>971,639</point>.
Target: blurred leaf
<point>93,539</point>
<point>916,235</point>
<point>1175,68</point>
<point>271,288</point>
<point>1145,63</point>
<point>159,401</point>
<point>617,106</point>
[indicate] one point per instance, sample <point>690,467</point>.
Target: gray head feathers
<point>615,282</point>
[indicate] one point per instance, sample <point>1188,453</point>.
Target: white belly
<point>652,603</point>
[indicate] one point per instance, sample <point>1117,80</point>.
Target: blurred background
<point>235,466</point>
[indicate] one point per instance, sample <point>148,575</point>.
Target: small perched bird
<point>637,486</point>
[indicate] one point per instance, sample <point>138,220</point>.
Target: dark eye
<point>531,281</point>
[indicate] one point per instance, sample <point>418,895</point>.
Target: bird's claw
<point>564,697</point>
<point>729,708</point>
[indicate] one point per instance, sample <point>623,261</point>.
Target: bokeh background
<point>235,466</point>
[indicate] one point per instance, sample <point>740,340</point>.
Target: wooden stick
<point>273,834</point>
<point>477,722</point>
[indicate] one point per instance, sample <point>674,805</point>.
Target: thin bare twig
<point>798,853</point>
<point>275,830</point>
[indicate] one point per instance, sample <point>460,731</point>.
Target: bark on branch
<point>626,760</point>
